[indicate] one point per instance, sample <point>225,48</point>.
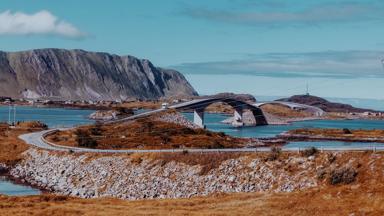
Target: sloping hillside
<point>323,104</point>
<point>78,74</point>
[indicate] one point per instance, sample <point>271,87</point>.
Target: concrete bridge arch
<point>199,105</point>
<point>294,106</point>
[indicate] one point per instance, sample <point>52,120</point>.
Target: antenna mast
<point>382,63</point>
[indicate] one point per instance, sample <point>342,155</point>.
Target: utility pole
<point>9,114</point>
<point>14,115</point>
<point>382,63</point>
<point>11,121</point>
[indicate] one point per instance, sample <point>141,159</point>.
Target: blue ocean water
<point>53,117</point>
<point>212,121</point>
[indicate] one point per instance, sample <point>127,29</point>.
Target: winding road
<point>37,139</point>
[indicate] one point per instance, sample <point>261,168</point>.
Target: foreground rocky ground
<point>187,175</point>
<point>349,183</point>
<point>140,177</point>
<point>328,183</point>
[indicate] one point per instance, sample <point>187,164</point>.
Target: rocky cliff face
<point>78,74</point>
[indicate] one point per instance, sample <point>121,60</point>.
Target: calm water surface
<point>212,122</point>
<point>53,117</point>
<point>9,188</point>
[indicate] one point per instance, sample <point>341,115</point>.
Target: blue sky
<point>260,47</point>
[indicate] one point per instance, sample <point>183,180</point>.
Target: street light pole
<point>14,115</point>
<point>9,114</point>
<point>11,121</point>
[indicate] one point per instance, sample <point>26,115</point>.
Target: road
<point>37,139</point>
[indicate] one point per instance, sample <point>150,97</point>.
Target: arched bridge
<point>198,106</point>
<point>295,106</point>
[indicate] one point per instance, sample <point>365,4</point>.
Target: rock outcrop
<point>124,177</point>
<point>177,118</point>
<point>323,104</point>
<point>82,75</point>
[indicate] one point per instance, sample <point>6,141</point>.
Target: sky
<point>261,47</point>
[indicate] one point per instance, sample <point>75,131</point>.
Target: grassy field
<point>144,134</point>
<point>339,133</point>
<point>11,147</point>
<point>284,112</point>
<point>338,200</point>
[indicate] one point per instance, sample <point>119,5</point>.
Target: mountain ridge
<point>78,74</point>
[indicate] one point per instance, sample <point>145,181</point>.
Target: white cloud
<point>316,14</point>
<point>327,64</point>
<point>40,23</point>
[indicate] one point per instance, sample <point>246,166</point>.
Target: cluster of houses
<point>375,114</point>
<point>367,114</point>
<point>8,100</point>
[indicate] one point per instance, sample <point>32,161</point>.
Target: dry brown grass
<point>149,134</point>
<point>10,146</point>
<point>340,200</point>
<point>339,133</point>
<point>219,108</point>
<point>283,111</point>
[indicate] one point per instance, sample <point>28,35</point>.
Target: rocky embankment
<point>106,115</point>
<point>131,178</point>
<point>103,115</point>
<point>177,118</point>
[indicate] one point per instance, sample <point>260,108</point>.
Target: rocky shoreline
<point>123,177</point>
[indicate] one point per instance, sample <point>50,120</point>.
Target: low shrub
<point>124,110</point>
<point>274,154</point>
<point>84,139</point>
<point>165,138</point>
<point>309,152</point>
<point>345,175</point>
<point>347,131</point>
<point>321,174</point>
<point>96,129</point>
<point>215,145</point>
<point>55,138</point>
<point>331,158</point>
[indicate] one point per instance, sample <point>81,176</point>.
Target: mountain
<point>324,104</point>
<point>78,74</point>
